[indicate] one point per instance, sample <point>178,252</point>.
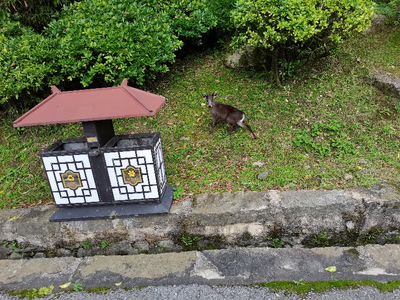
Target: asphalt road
<point>204,292</point>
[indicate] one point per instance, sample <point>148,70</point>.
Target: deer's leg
<point>245,125</point>
<point>233,127</point>
<point>213,125</point>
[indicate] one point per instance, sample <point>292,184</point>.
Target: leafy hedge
<point>23,55</point>
<point>390,8</point>
<point>111,40</point>
<point>189,19</point>
<point>97,43</point>
<point>277,25</point>
<point>33,13</point>
<point>222,9</point>
<point>100,42</point>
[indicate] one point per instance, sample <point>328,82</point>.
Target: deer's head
<point>210,99</point>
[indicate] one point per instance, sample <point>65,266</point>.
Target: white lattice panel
<point>71,179</point>
<point>143,186</point>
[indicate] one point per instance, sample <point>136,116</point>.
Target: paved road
<point>204,292</point>
<point>211,274</point>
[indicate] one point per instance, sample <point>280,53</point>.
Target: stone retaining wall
<point>310,218</point>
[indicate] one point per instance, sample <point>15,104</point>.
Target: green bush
<point>222,9</point>
<point>95,43</point>
<point>279,25</point>
<point>111,40</point>
<point>33,13</point>
<point>189,19</point>
<point>23,67</point>
<point>391,9</point>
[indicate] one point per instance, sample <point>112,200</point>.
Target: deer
<point>226,112</point>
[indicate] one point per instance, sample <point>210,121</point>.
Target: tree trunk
<point>275,70</point>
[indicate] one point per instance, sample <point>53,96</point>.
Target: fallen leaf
<point>118,284</point>
<point>65,285</point>
<point>12,219</point>
<point>331,269</point>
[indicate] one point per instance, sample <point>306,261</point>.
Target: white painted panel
<point>90,179</point>
<point>120,181</point>
<point>118,196</point>
<point>135,196</point>
<point>145,179</point>
<point>47,161</point>
<point>134,162</point>
<point>152,175</point>
<point>124,164</point>
<point>109,158</point>
<point>94,197</point>
<point>77,200</point>
<point>65,158</point>
<point>127,154</point>
<point>84,158</point>
<point>78,191</point>
<point>146,154</point>
<point>112,176</point>
<point>70,192</point>
<point>52,181</point>
<point>139,187</point>
<point>59,200</point>
<point>130,188</point>
<point>153,193</point>
<point>60,186</point>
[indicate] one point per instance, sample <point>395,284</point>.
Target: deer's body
<point>226,112</point>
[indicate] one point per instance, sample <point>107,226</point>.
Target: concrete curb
<point>230,266</point>
<point>239,218</point>
<point>298,218</point>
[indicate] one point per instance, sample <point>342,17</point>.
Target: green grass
<point>302,287</point>
<point>325,123</point>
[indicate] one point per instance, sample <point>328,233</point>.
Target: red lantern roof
<point>92,105</point>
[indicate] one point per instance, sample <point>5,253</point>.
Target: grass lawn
<point>328,128</point>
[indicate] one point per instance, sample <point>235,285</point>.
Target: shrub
<point>33,13</point>
<point>23,70</point>
<point>391,9</point>
<point>189,19</point>
<point>222,9</point>
<point>298,25</point>
<point>111,40</point>
<point>96,43</point>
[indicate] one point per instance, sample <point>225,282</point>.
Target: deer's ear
<point>204,95</point>
<point>214,94</point>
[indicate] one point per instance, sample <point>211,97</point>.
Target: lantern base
<point>115,211</point>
